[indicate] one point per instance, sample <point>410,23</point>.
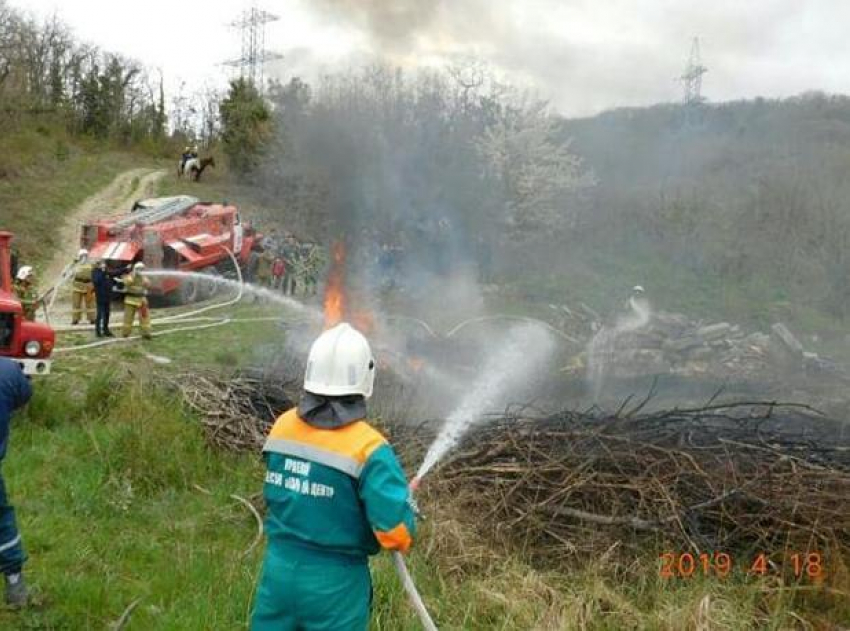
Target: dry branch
<point>729,477</point>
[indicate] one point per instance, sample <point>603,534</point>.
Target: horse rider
<point>83,290</point>
<point>25,291</point>
<point>135,288</point>
<point>184,158</point>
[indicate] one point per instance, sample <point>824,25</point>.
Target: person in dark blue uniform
<point>15,391</point>
<point>103,282</point>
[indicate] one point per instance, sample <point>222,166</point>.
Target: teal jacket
<point>335,492</point>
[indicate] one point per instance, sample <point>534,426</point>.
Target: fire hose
<point>178,318</point>
<point>407,580</point>
<point>412,592</point>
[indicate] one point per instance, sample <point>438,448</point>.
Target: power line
<point>252,26</point>
<point>692,77</point>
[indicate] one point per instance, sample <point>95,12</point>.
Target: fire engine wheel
<point>189,292</point>
<point>209,287</point>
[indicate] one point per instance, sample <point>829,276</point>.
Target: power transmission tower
<point>252,25</point>
<point>692,77</point>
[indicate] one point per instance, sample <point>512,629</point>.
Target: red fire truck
<point>176,233</point>
<point>28,343</point>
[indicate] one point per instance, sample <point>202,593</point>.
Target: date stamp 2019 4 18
<point>801,565</point>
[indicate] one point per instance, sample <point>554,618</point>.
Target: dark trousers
<point>12,554</point>
<point>101,322</point>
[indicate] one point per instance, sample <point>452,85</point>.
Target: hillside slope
<point>737,210</point>
<point>38,194</point>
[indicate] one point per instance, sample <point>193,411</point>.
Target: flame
<point>335,287</point>
<point>338,303</point>
<point>363,321</point>
<point>415,363</point>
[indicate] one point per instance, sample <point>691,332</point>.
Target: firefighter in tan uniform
<point>25,291</point>
<point>136,301</point>
<point>83,289</point>
<point>265,262</point>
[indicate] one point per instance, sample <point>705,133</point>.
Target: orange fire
<point>339,305</point>
<point>363,321</point>
<point>335,287</point>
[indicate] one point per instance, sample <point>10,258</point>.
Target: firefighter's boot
<point>17,593</point>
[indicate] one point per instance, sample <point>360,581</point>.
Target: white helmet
<point>82,254</point>
<point>24,273</point>
<point>139,266</point>
<point>638,289</point>
<point>340,363</point>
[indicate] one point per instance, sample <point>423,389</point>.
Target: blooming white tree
<point>538,171</point>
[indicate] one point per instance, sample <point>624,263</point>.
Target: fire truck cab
<point>28,343</point>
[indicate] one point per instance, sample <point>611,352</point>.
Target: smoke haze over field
<point>584,56</point>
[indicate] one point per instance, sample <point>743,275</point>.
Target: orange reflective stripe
<point>396,539</point>
<point>357,440</point>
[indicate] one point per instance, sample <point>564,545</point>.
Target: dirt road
<point>114,199</point>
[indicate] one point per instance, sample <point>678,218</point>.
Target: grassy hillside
<point>120,499</point>
<point>732,210</point>
<point>44,174</point>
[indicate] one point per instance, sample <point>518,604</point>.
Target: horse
<point>195,167</point>
<point>184,167</point>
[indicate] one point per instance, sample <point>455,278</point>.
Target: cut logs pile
<point>737,478</point>
<point>672,343</point>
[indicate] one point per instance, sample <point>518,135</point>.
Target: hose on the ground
<point>180,318</point>
<point>184,329</point>
<point>412,592</point>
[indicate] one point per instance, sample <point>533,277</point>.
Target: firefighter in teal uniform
<point>336,494</point>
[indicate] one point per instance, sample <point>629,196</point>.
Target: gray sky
<point>583,55</point>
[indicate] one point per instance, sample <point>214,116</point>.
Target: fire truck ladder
<point>165,210</point>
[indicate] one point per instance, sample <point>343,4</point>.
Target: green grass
<point>110,509</point>
<point>43,185</point>
<point>120,498</point>
<point>242,342</point>
<point>217,185</point>
<point>603,278</point>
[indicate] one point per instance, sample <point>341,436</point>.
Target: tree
<point>245,126</point>
<point>536,169</point>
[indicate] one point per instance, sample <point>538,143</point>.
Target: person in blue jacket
<point>103,281</point>
<point>335,495</point>
<point>15,391</point>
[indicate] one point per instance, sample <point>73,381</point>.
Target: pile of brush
<point>747,477</point>
<point>237,411</point>
<point>738,478</point>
